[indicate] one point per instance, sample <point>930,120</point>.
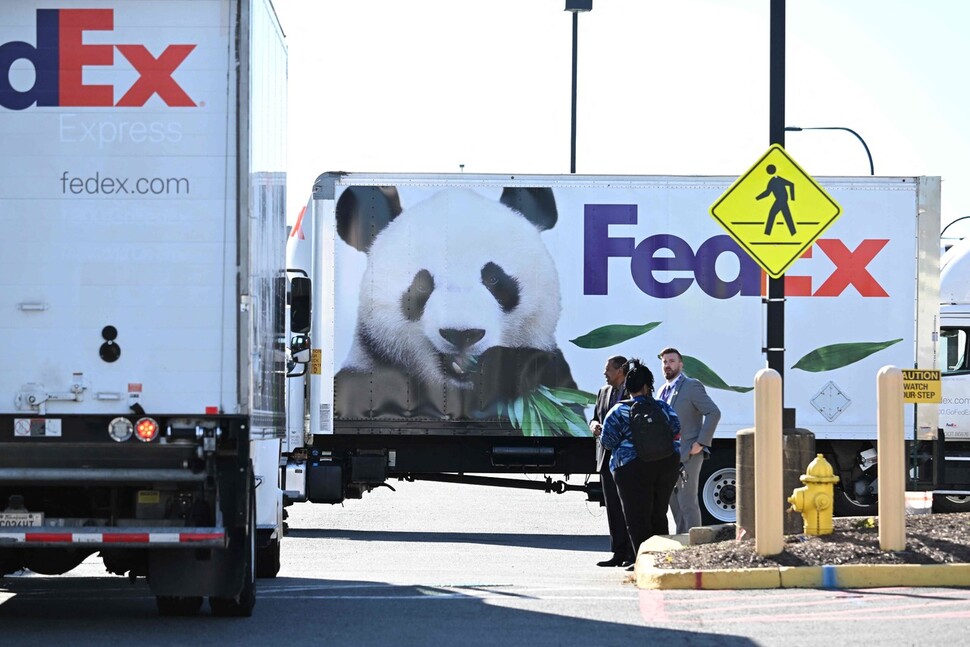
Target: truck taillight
<point>146,429</point>
<point>120,429</point>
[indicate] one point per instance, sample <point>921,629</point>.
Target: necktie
<point>665,392</point>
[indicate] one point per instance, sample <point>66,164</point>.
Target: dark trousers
<point>619,535</point>
<point>644,489</point>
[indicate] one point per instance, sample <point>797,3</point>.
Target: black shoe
<point>629,561</point>
<point>616,560</point>
<point>631,567</point>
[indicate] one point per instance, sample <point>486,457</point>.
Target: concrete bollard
<point>769,537</point>
<point>891,445</point>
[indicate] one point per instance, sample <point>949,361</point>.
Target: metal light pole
<point>955,220</point>
<point>795,129</point>
<point>575,6</point>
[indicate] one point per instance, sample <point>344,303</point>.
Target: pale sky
<point>664,88</point>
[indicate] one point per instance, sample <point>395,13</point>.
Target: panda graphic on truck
<point>457,311</point>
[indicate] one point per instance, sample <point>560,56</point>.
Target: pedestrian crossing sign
<point>775,211</point>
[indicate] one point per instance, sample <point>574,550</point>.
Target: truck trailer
<point>460,324</point>
<point>142,292</point>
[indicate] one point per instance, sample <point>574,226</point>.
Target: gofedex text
<point>655,255</point>
<point>60,56</point>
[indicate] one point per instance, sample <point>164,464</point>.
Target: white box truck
<point>461,322</point>
<point>142,293</point>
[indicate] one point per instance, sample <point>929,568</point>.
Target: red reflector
<point>146,429</point>
<point>49,537</point>
<point>211,411</point>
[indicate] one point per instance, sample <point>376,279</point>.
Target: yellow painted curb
<point>649,577</point>
<point>840,577</point>
<point>876,575</point>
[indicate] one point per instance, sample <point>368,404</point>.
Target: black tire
<point>846,505</point>
<point>717,491</point>
<point>178,606</point>
<point>268,559</point>
<point>242,605</point>
<point>10,562</point>
<point>951,503</point>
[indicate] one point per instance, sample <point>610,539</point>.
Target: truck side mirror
<point>300,304</point>
<point>299,355</point>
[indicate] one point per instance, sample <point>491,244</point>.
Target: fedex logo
<point>60,56</point>
<point>646,259</point>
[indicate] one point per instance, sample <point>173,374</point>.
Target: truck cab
<point>954,362</point>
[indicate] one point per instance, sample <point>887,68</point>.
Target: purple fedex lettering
<point>646,261</point>
<point>599,247</point>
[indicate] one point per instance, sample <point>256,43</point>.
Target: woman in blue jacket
<point>644,486</point>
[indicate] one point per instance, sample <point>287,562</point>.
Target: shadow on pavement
<point>554,542</point>
<point>298,611</point>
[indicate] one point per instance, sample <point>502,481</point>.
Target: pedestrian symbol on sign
<point>779,188</point>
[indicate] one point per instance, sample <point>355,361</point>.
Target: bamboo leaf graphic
<point>569,396</point>
<point>559,409</point>
<point>515,413</point>
<point>835,356</point>
<point>576,424</point>
<point>539,428</point>
<point>701,371</point>
<point>549,413</point>
<point>612,335</point>
<point>529,426</point>
<point>552,397</point>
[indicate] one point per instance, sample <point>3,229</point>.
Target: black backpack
<point>652,436</point>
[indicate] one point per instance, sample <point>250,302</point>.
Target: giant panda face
<point>451,277</point>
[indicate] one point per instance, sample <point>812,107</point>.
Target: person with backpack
<point>643,435</point>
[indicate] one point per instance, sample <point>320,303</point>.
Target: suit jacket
<point>697,412</point>
<point>599,415</point>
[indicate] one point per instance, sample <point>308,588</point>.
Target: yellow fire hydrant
<point>814,499</point>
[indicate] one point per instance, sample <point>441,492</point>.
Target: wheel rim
<point>958,499</point>
<point>720,495</point>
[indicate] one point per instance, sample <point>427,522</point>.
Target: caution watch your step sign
<point>922,386</point>
<point>775,211</point>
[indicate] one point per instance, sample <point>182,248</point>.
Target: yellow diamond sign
<point>775,211</point>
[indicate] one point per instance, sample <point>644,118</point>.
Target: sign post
<point>774,349</point>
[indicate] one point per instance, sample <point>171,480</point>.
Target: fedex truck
<point>460,324</point>
<point>142,293</point>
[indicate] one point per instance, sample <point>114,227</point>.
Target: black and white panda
<point>458,304</point>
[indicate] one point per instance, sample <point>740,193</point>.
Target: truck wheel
<point>268,559</point>
<point>242,605</point>
<point>718,489</point>
<point>951,503</point>
<point>847,505</point>
<point>176,606</point>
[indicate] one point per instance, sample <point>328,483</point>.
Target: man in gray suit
<point>698,418</point>
<point>615,374</point>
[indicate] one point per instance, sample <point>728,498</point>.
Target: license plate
<point>21,519</point>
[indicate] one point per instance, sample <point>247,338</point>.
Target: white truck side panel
<point>870,282</point>
<point>123,217</point>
